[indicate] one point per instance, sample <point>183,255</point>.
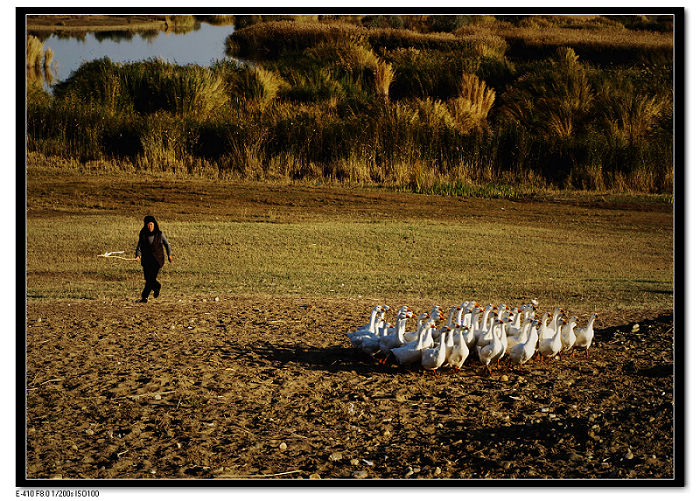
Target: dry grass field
<point>242,368</point>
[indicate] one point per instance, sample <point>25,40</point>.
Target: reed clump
<point>473,104</point>
<point>146,87</point>
<point>35,52</point>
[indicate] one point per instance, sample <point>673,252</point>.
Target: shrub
<point>473,103</point>
<point>630,117</point>
<point>555,100</point>
<point>146,87</point>
<point>422,74</point>
<point>351,55</point>
<point>253,83</point>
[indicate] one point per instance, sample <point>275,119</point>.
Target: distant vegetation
<point>426,103</point>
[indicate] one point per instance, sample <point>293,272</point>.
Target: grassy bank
<point>358,103</point>
<point>238,239</point>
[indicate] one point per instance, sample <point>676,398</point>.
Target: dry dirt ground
<point>271,388</point>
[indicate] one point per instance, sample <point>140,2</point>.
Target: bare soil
<point>252,387</point>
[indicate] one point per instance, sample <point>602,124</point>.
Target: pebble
<point>157,396</point>
<point>629,454</point>
<point>336,456</point>
<point>314,476</point>
<point>504,378</point>
<point>354,462</point>
<point>409,472</point>
<point>283,446</point>
<point>438,471</point>
<point>359,474</point>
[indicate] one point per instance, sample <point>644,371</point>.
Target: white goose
<point>524,351</point>
<point>395,338</point>
<point>584,335</point>
<point>460,315</point>
<point>411,352</point>
<point>459,352</point>
<point>544,329</point>
<point>483,335</point>
<point>436,315</point>
<point>370,344</point>
<point>568,338</point>
<point>449,341</point>
<point>489,352</point>
<point>451,317</point>
<point>468,313</point>
<point>499,330</point>
<point>470,336</point>
<point>368,329</point>
<point>548,329</point>
<point>528,311</point>
<point>409,337</point>
<point>550,346</point>
<point>513,327</point>
<point>501,311</point>
<point>521,337</point>
<point>380,319</point>
<point>433,358</point>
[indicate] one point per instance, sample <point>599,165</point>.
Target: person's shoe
<point>142,300</point>
<point>156,292</point>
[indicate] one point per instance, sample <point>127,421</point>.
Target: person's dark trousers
<point>150,272</point>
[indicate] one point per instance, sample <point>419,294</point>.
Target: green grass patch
<point>608,265</point>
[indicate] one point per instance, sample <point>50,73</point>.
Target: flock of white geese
<point>489,334</point>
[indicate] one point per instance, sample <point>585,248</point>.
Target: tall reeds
<point>383,79</point>
<point>35,51</point>
<point>473,103</point>
<point>38,63</point>
<point>146,87</point>
<point>316,105</point>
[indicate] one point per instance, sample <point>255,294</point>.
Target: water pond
<point>201,46</point>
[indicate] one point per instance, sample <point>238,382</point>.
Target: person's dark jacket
<point>150,246</point>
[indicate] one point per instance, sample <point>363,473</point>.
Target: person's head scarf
<point>150,219</point>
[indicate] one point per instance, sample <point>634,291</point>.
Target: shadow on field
<point>502,449</point>
<point>332,358</point>
<point>546,432</point>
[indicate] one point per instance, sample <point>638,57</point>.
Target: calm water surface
<point>202,47</point>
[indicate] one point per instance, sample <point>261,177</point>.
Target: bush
<point>145,87</point>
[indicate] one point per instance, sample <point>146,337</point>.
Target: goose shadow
<point>646,325</point>
<point>334,358</point>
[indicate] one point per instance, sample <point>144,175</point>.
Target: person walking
<point>149,252</point>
